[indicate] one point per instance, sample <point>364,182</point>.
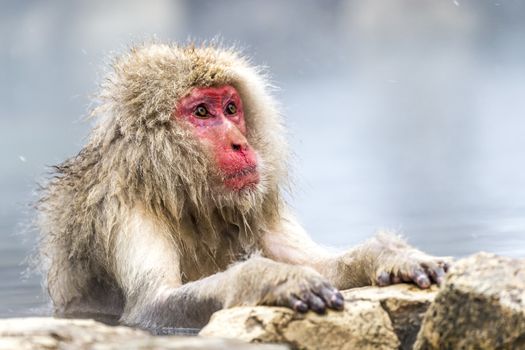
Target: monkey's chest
<point>209,258</point>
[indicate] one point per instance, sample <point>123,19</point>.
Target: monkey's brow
<point>229,96</point>
<point>216,100</point>
<point>208,100</point>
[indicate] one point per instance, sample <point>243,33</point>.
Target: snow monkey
<point>174,208</point>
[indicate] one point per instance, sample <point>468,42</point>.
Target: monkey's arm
<point>147,267</point>
<point>381,260</point>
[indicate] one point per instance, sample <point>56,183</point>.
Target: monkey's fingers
<point>317,299</point>
<point>336,301</point>
<point>444,261</point>
<point>437,274</point>
<point>316,304</point>
<point>297,304</point>
<point>422,274</point>
<point>420,277</point>
<point>437,269</point>
<point>331,297</point>
<point>384,279</point>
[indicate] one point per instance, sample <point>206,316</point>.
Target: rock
<point>481,306</point>
<point>51,333</point>
<point>374,318</point>
<point>405,304</point>
<point>281,325</point>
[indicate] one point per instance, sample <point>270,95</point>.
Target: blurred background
<point>402,114</point>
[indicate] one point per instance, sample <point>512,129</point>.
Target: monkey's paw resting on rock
<point>275,284</point>
<point>390,260</point>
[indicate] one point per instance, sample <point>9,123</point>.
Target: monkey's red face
<point>217,116</point>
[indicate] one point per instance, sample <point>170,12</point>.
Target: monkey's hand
<point>262,281</point>
<point>387,259</point>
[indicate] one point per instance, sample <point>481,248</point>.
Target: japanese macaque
<point>174,208</point>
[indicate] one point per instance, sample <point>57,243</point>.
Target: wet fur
<point>138,157</point>
<point>137,228</point>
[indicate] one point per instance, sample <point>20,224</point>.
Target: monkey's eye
<point>201,111</point>
<point>231,108</point>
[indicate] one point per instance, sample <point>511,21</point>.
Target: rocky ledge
<point>480,306</point>
<point>376,318</point>
<point>47,333</point>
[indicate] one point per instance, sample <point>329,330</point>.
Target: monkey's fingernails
<point>316,304</point>
<point>298,305</point>
<point>332,297</point>
<point>337,301</point>
<point>383,279</point>
<point>421,279</point>
<point>396,279</point>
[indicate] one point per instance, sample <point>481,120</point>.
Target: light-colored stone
<point>405,304</point>
<point>374,318</point>
<point>39,333</point>
<point>364,324</point>
<point>481,306</point>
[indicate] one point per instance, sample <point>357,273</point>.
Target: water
<point>452,185</point>
<point>406,116</point>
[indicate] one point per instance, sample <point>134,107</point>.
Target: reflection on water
<point>406,116</point>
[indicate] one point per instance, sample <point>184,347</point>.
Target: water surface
<point>406,115</point>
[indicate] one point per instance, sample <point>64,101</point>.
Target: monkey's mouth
<point>246,177</point>
<point>243,172</point>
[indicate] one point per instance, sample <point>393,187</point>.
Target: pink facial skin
<point>217,117</point>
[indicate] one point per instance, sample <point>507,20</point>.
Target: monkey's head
<point>198,124</point>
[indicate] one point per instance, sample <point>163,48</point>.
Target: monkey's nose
<point>236,139</point>
<point>240,146</point>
